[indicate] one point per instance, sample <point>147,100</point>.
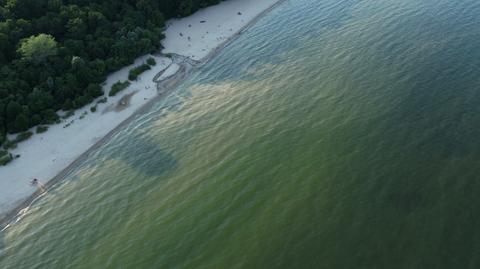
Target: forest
<point>54,54</point>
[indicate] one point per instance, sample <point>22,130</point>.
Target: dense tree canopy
<point>54,53</point>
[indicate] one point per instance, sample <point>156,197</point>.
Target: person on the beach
<point>35,182</point>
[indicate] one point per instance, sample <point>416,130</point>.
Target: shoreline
<point>8,218</point>
<point>167,85</point>
<point>237,34</point>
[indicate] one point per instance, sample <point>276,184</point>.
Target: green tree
<point>77,63</point>
<point>21,123</point>
<point>13,109</point>
<point>76,28</point>
<point>38,48</point>
<point>185,8</point>
<point>39,101</point>
<point>4,44</point>
<point>26,8</point>
<point>54,4</point>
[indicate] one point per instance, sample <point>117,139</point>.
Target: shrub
<point>94,90</point>
<point>4,160</point>
<point>93,109</point>
<point>9,144</point>
<point>36,119</point>
<point>23,136</point>
<point>151,61</point>
<point>21,123</point>
<point>50,116</point>
<point>42,129</point>
<point>135,72</point>
<point>81,101</point>
<point>117,87</point>
<point>67,105</point>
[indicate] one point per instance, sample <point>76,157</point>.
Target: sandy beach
<point>49,156</point>
<point>199,35</point>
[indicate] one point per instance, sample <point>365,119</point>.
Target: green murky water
<point>332,134</point>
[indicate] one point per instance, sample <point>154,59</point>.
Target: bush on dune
<point>151,61</point>
<point>135,72</point>
<point>42,129</point>
<point>7,158</point>
<point>118,87</point>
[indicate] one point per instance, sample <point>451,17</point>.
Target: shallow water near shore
<point>332,134</point>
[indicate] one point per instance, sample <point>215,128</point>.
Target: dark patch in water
<point>147,157</point>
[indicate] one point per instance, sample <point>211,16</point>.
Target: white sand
<point>170,71</point>
<point>45,155</point>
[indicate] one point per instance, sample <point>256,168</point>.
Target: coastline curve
<point>164,87</point>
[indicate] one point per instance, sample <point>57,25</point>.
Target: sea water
<point>331,134</point>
